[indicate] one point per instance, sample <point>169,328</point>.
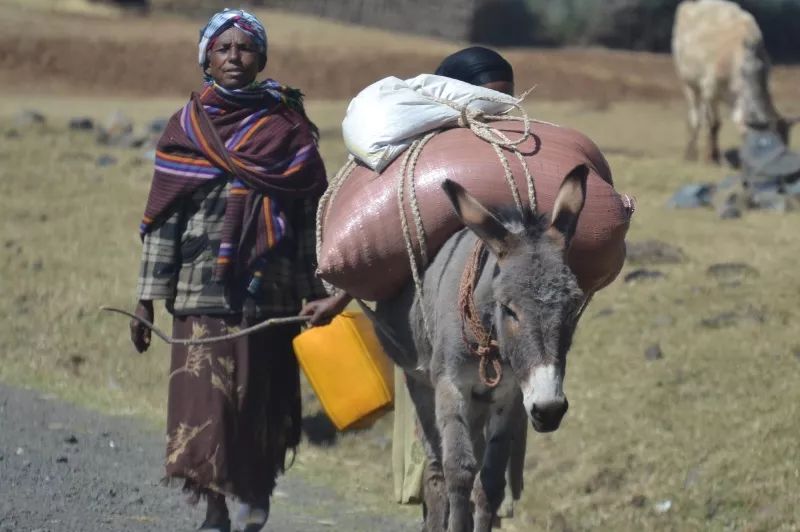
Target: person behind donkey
<point>228,241</point>
<point>486,68</point>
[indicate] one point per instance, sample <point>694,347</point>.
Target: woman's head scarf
<point>228,18</point>
<point>476,65</point>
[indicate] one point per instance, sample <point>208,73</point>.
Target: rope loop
<point>485,347</point>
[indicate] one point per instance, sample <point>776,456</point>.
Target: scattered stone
<point>118,131</point>
<point>62,460</point>
<point>730,318</point>
<point>37,265</point>
<point>692,196</point>
<point>112,444</point>
<point>638,501</point>
<point>148,156</point>
<point>20,451</point>
<point>730,212</point>
<point>157,126</point>
<point>653,352</point>
<point>112,492</point>
<point>643,275</point>
<point>653,252</point>
<point>55,426</point>
<point>326,522</point>
<point>106,160</point>
<point>662,507</point>
<point>724,319</point>
<point>83,123</point>
<point>27,118</point>
<point>118,123</point>
<point>133,141</point>
<point>772,200</point>
<point>72,440</point>
<point>731,270</point>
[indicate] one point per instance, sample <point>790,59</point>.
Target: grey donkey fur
<point>527,294</point>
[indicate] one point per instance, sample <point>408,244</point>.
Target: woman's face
<point>233,60</point>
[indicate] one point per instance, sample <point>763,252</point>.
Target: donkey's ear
<point>478,219</point>
<point>568,205</point>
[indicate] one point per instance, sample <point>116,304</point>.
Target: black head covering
<point>476,65</point>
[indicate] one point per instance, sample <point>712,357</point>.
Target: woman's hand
<point>140,333</point>
<point>322,311</point>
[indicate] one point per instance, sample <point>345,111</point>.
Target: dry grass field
<point>712,427</point>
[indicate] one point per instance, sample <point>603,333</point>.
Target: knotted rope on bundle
<point>479,124</point>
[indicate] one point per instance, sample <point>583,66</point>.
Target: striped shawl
<point>260,140</point>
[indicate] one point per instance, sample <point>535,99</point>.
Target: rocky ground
<point>67,469</point>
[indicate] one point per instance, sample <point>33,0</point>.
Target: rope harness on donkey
<point>485,346</point>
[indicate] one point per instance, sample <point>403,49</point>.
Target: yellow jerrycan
<point>347,368</point>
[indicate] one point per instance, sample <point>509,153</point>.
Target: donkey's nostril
<point>550,411</point>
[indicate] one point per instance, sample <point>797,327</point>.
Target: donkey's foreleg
<point>490,483</point>
<point>434,493</point>
<point>458,458</point>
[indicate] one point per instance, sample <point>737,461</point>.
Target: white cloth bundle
<point>385,118</point>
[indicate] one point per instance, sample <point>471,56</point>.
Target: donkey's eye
<point>508,312</point>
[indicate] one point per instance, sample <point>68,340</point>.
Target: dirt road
<point>66,469</point>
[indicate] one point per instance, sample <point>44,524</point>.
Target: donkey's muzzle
<point>546,417</point>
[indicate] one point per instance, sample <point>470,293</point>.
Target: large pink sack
<point>363,250</point>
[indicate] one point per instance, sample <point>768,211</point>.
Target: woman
<point>486,68</point>
<point>228,241</point>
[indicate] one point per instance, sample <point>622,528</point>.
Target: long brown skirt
<point>234,409</point>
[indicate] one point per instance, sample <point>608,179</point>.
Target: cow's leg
<point>694,118</point>
<point>710,98</point>
<point>711,109</point>
<point>434,505</point>
<point>491,481</point>
<point>458,458</point>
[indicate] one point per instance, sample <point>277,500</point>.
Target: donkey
<point>526,295</point>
